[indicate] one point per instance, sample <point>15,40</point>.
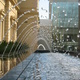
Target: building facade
<point>6,21</point>
<point>8,15</point>
<point>65,25</point>
<point>10,20</point>
<point>30,18</point>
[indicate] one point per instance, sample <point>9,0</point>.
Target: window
<point>1,29</point>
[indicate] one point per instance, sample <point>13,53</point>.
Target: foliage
<point>10,47</point>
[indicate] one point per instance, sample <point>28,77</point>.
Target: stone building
<point>6,21</point>
<point>7,17</point>
<point>29,9</point>
<point>9,28</point>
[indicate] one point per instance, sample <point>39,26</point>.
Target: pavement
<point>46,66</point>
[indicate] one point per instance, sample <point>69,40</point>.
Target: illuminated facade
<point>65,24</point>
<point>6,23</point>
<point>29,9</point>
<point>10,23</point>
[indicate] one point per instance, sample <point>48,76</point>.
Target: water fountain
<point>30,30</point>
<point>9,54</point>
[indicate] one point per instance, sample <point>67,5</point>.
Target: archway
<point>41,47</point>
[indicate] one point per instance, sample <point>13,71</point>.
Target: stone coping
<point>16,71</point>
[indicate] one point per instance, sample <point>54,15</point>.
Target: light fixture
<point>52,14</point>
<point>79,31</point>
<point>78,36</point>
<point>68,20</point>
<point>75,24</point>
<point>63,10</point>
<point>61,26</point>
<point>65,14</point>
<point>67,29</point>
<point>55,26</point>
<point>67,36</point>
<point>79,3</point>
<point>50,3</point>
<point>58,7</point>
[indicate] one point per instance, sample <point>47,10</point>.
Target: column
<point>0,27</point>
<point>15,32</point>
<point>0,65</point>
<point>7,20</point>
<point>8,64</point>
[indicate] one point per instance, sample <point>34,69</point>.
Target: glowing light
<point>65,14</point>
<point>61,26</point>
<point>50,3</point>
<point>71,18</point>
<point>67,29</point>
<point>67,36</point>
<point>78,3</point>
<point>63,10</point>
<point>58,7</point>
<point>78,36</point>
<point>68,20</point>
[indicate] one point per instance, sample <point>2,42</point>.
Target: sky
<point>44,9</point>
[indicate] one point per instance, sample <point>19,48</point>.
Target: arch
<point>44,40</point>
<point>41,45</point>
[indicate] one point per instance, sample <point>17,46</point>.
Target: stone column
<point>0,27</point>
<point>0,65</point>
<point>8,64</point>
<point>7,20</point>
<point>15,32</point>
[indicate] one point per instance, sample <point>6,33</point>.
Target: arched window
<point>13,33</point>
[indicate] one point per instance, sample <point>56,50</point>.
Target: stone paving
<point>49,66</point>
